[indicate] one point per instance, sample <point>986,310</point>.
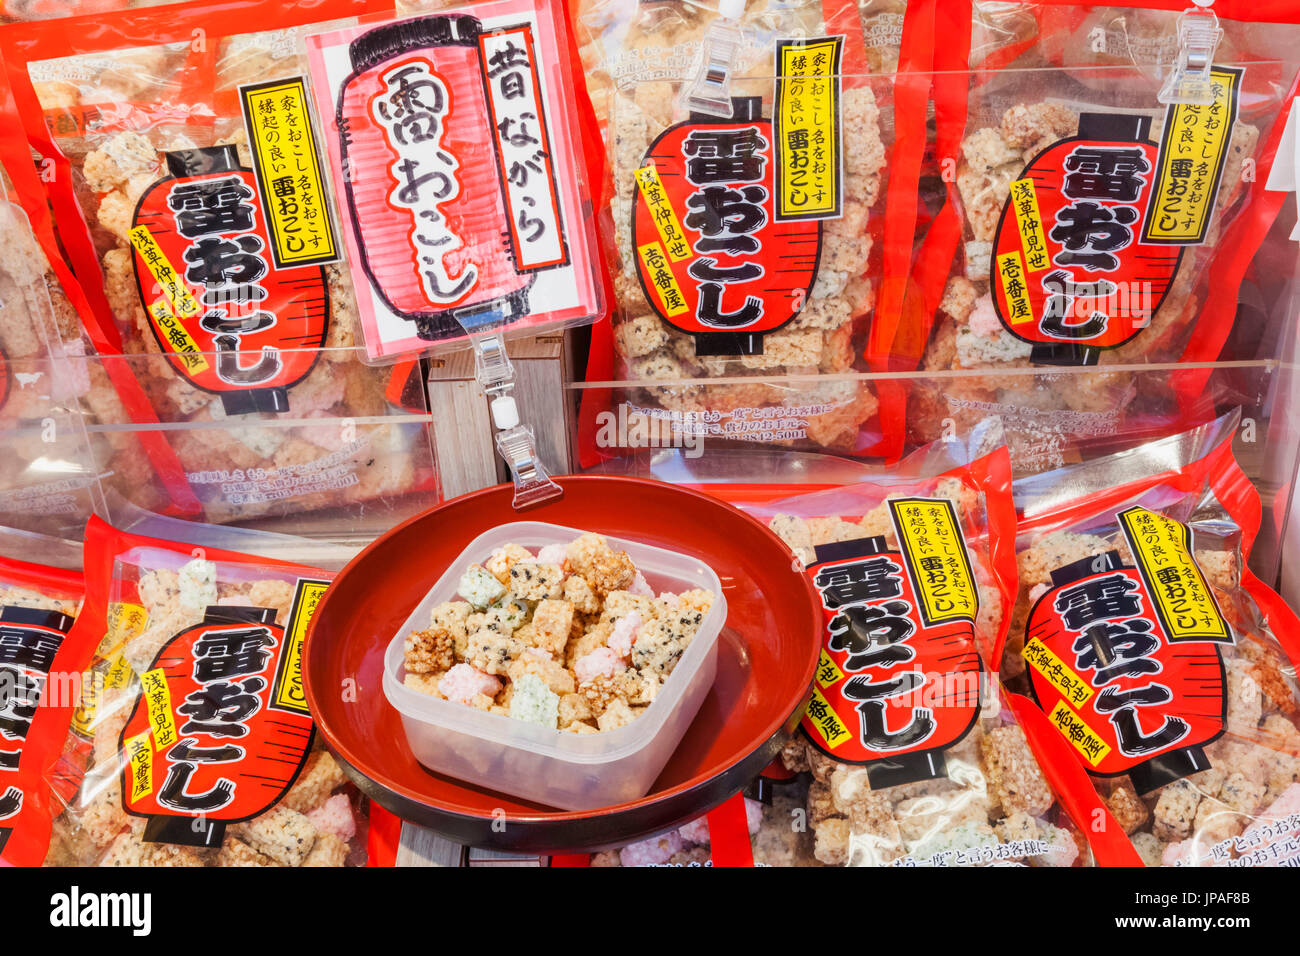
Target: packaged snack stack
<point>915,755</point>
<point>1083,232</point>
<point>729,269</point>
<point>1158,656</point>
<point>196,747</point>
<point>222,280</point>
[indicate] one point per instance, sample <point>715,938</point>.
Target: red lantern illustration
<point>1130,697</point>
<point>219,731</point>
<point>422,167</point>
<point>1070,272</point>
<point>892,691</point>
<point>712,257</point>
<point>216,304</point>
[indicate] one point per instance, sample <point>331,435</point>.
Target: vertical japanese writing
<point>412,110</point>
<point>286,158</point>
<point>228,664</point>
<point>523,148</point>
<point>806,119</point>
<point>727,210</point>
<point>872,623</point>
<point>225,257</point>
<point>29,640</point>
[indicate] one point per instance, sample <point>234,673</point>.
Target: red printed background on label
<point>738,269</point>
<point>1096,284</point>
<point>248,312</point>
<point>905,688</point>
<point>216,712</point>
<point>1149,696</point>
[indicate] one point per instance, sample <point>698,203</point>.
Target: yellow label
<point>807,129</point>
<point>141,763</point>
<point>92,694</point>
<point>932,545</point>
<point>662,212</point>
<point>125,622</point>
<point>828,672</point>
<point>1182,597</point>
<point>119,673</point>
<point>660,275</point>
<point>178,338</point>
<point>1024,200</point>
<point>287,692</point>
<point>1059,674</point>
<point>1016,307</point>
<point>153,686</point>
<point>1078,733</point>
<point>170,282</point>
<point>290,178</point>
<point>828,724</point>
<point>1193,151</point>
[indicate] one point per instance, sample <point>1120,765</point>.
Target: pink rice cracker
<point>984,318</point>
<point>650,852</point>
<point>602,662</point>
<point>553,554</point>
<point>640,586</point>
<point>462,682</point>
<point>624,634</point>
<point>334,817</point>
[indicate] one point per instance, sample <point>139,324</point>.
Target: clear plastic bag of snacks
<point>41,661</point>
<point>48,481</point>
<point>193,745</point>
<point>917,756</point>
<point>1087,213</point>
<point>1166,668</point>
<point>747,163</point>
<point>222,282</point>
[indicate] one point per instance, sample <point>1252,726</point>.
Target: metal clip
<point>710,91</point>
<point>1188,83</point>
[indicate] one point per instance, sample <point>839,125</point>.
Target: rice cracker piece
<point>285,835</point>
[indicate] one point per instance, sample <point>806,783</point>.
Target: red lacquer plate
<point>767,654</point>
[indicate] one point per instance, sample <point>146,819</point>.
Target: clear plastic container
<point>565,770</point>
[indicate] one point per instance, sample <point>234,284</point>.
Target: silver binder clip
<point>710,90</point>
<point>1189,83</point>
<point>515,442</point>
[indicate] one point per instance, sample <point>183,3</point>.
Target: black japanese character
<point>229,369</point>
<point>211,207</point>
<point>188,749</point>
<point>737,211</point>
<point>1098,599</point>
<point>872,636</point>
<point>218,708</point>
<point>870,580</point>
<point>1057,310</point>
<point>1089,233</point>
<point>707,269</point>
<point>725,156</point>
<point>221,655</point>
<point>172,793</point>
<point>1105,172</point>
<point>709,310</point>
